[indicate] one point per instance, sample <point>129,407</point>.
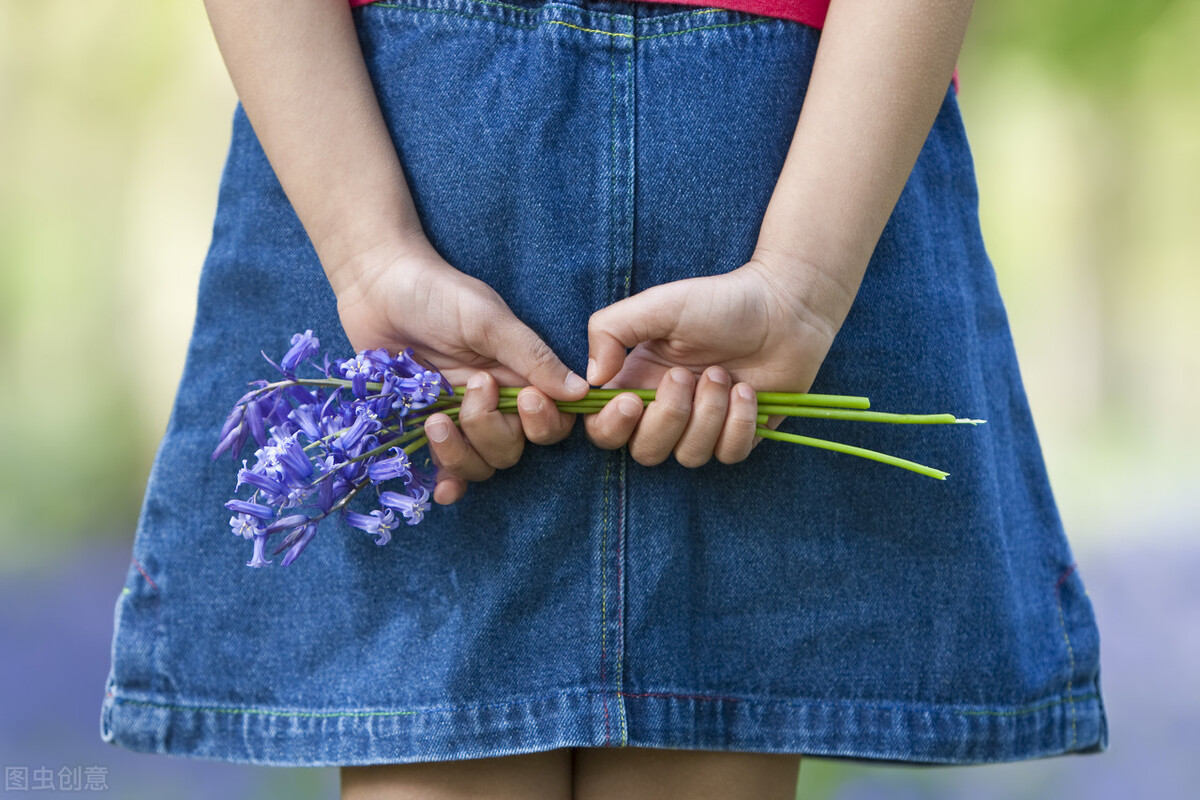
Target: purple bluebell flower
<point>303,346</point>
<point>251,509</point>
<point>317,445</point>
<point>309,531</point>
<point>294,460</point>
<point>296,496</point>
<point>404,364</point>
<point>378,523</point>
<point>365,422</point>
<point>258,387</point>
<point>265,483</point>
<point>305,421</point>
<point>232,421</point>
<point>245,526</point>
<point>258,559</point>
<point>413,508</point>
<point>301,395</point>
<point>254,418</point>
<point>359,364</point>
<point>290,521</point>
<point>232,441</point>
<point>423,388</point>
<point>281,458</point>
<point>386,469</point>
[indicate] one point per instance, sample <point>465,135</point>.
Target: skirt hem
<point>870,731</point>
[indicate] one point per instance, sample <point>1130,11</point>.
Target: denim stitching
<point>591,12</point>
<point>1070,700</point>
<point>621,531</point>
<point>457,14</point>
<point>622,528</point>
<point>705,28</point>
<point>567,24</point>
<point>604,593</point>
<point>588,30</point>
<point>710,698</point>
<point>1070,650</point>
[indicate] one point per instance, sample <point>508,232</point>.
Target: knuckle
<point>731,455</point>
<point>690,458</point>
<point>647,455</point>
<point>541,353</point>
<point>507,457</point>
<point>673,413</point>
<point>605,440</point>
<point>708,410</point>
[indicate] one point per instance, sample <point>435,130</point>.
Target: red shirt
<point>810,12</point>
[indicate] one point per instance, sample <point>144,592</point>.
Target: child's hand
<point>765,326</point>
<point>409,296</point>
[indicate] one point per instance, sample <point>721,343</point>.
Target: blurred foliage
<point>1094,43</point>
<point>112,116</point>
<point>113,123</point>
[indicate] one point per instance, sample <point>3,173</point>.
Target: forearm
<point>881,72</point>
<point>298,69</point>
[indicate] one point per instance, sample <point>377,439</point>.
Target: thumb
<point>650,314</point>
<point>523,351</point>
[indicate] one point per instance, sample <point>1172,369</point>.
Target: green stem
<point>838,447</point>
<point>822,400</point>
<point>862,416</point>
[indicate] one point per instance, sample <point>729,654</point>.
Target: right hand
<point>407,295</point>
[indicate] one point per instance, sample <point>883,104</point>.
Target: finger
<point>453,452</point>
<point>647,315</point>
<point>516,346</point>
<point>709,406</point>
<point>665,419</point>
<point>495,436</point>
<point>611,426</point>
<point>450,489</point>
<point>772,423</point>
<point>542,422</point>
<point>737,435</point>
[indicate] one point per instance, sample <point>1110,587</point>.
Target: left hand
<point>765,326</point>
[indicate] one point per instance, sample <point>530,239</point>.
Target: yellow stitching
<point>1031,710</point>
<point>567,24</point>
<point>588,30</point>
<point>1071,655</point>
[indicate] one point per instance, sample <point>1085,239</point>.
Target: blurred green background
<point>1085,125</point>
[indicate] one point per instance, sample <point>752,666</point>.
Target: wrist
<point>353,257</point>
<point>822,294</point>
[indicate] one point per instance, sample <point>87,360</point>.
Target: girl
<point>700,200</point>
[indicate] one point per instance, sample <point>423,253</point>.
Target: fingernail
<point>576,383</point>
<point>629,406</point>
<point>745,392</point>
<point>718,375</point>
<point>438,430</point>
<point>680,376</point>
<point>476,382</point>
<point>591,370</point>
<point>530,402</point>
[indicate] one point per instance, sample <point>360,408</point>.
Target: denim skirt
<point>571,153</point>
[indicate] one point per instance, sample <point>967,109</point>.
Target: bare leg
<point>634,773</point>
<point>533,775</point>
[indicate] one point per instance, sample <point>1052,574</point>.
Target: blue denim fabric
<point>570,153</point>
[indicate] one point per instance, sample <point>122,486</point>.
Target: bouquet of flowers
<point>356,425</point>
